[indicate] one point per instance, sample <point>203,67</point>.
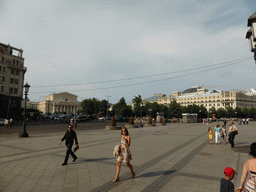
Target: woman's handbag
<point>235,132</point>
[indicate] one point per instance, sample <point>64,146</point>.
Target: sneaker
<point>74,159</point>
<point>64,164</point>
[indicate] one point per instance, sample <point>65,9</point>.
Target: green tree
<point>220,113</point>
<point>203,113</point>
<point>230,112</point>
<point>122,109</point>
<point>238,112</point>
<point>253,113</point>
<point>175,110</point>
<point>137,105</point>
<point>246,112</point>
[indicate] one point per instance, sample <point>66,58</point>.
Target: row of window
<point>2,78</point>
<point>12,90</point>
<point>14,81</point>
<point>2,68</point>
<point>14,71</point>
<point>13,61</point>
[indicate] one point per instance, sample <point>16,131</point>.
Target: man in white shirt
<point>231,133</point>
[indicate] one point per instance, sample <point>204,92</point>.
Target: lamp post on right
<point>251,33</point>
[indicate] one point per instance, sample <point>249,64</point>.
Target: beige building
<point>217,99</point>
<point>59,103</point>
<point>12,72</point>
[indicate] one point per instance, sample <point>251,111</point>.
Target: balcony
<point>13,65</point>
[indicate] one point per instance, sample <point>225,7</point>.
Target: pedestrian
<point>244,121</point>
<point>75,122</point>
<point>224,134</point>
<point>232,131</point>
<point>247,121</point>
<point>6,123</point>
<point>210,134</point>
<point>240,121</point>
<point>217,133</point>
<point>70,136</point>
<point>11,122</point>
<point>125,154</point>
<point>225,122</point>
<point>225,183</point>
<point>247,170</point>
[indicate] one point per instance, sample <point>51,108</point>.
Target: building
<point>12,72</point>
<point>217,99</point>
<point>60,103</point>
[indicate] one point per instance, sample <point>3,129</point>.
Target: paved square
<point>175,157</point>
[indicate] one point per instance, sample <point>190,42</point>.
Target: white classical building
<point>60,102</point>
<point>201,96</point>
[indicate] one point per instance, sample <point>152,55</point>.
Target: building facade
<point>60,103</point>
<point>12,72</point>
<point>217,99</point>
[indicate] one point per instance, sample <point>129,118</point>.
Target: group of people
<point>8,122</point>
<point>244,121</point>
<point>221,132</point>
<point>123,154</point>
<point>249,169</point>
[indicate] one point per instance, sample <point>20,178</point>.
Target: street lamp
<point>251,33</point>
<point>24,132</point>
<point>107,103</point>
<point>141,108</point>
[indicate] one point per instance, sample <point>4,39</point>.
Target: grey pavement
<point>175,157</point>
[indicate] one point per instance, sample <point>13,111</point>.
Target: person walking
<point>70,136</point>
<point>217,130</point>
<point>249,169</point>
<point>11,122</point>
<point>75,122</point>
<point>232,133</point>
<point>247,121</point>
<point>125,154</point>
<point>224,134</point>
<point>244,121</point>
<point>6,123</point>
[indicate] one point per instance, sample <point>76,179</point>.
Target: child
<point>225,183</point>
<point>224,134</point>
<point>210,134</point>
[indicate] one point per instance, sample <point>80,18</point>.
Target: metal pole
<point>107,104</point>
<point>24,132</point>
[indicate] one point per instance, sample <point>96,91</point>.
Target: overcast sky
<point>95,48</point>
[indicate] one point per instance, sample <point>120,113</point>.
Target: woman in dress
<point>125,154</point>
<point>249,169</point>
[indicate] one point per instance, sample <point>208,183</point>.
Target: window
<point>11,80</point>
<point>3,78</point>
<point>11,90</point>
<point>13,62</point>
<point>0,68</point>
<point>17,72</point>
<point>2,88</point>
<point>16,81</point>
<point>12,71</point>
<point>18,63</point>
<point>218,104</point>
<point>210,105</point>
<point>4,69</point>
<point>15,90</point>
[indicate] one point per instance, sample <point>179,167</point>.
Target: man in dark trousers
<point>70,136</point>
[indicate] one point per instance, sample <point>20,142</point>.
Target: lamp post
<point>107,103</point>
<point>251,33</point>
<point>141,108</point>
<point>24,133</point>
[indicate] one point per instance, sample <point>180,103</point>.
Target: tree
<point>230,112</point>
<point>253,113</point>
<point>137,105</point>
<point>220,113</point>
<point>175,110</point>
<point>122,109</point>
<point>246,112</point>
<point>203,113</point>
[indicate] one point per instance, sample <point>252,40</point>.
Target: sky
<point>125,48</point>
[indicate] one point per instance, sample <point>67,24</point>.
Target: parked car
<point>1,121</point>
<point>102,118</point>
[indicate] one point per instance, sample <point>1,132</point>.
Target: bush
<point>113,121</point>
<point>150,120</point>
<point>131,121</point>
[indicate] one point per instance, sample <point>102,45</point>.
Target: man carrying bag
<point>232,133</point>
